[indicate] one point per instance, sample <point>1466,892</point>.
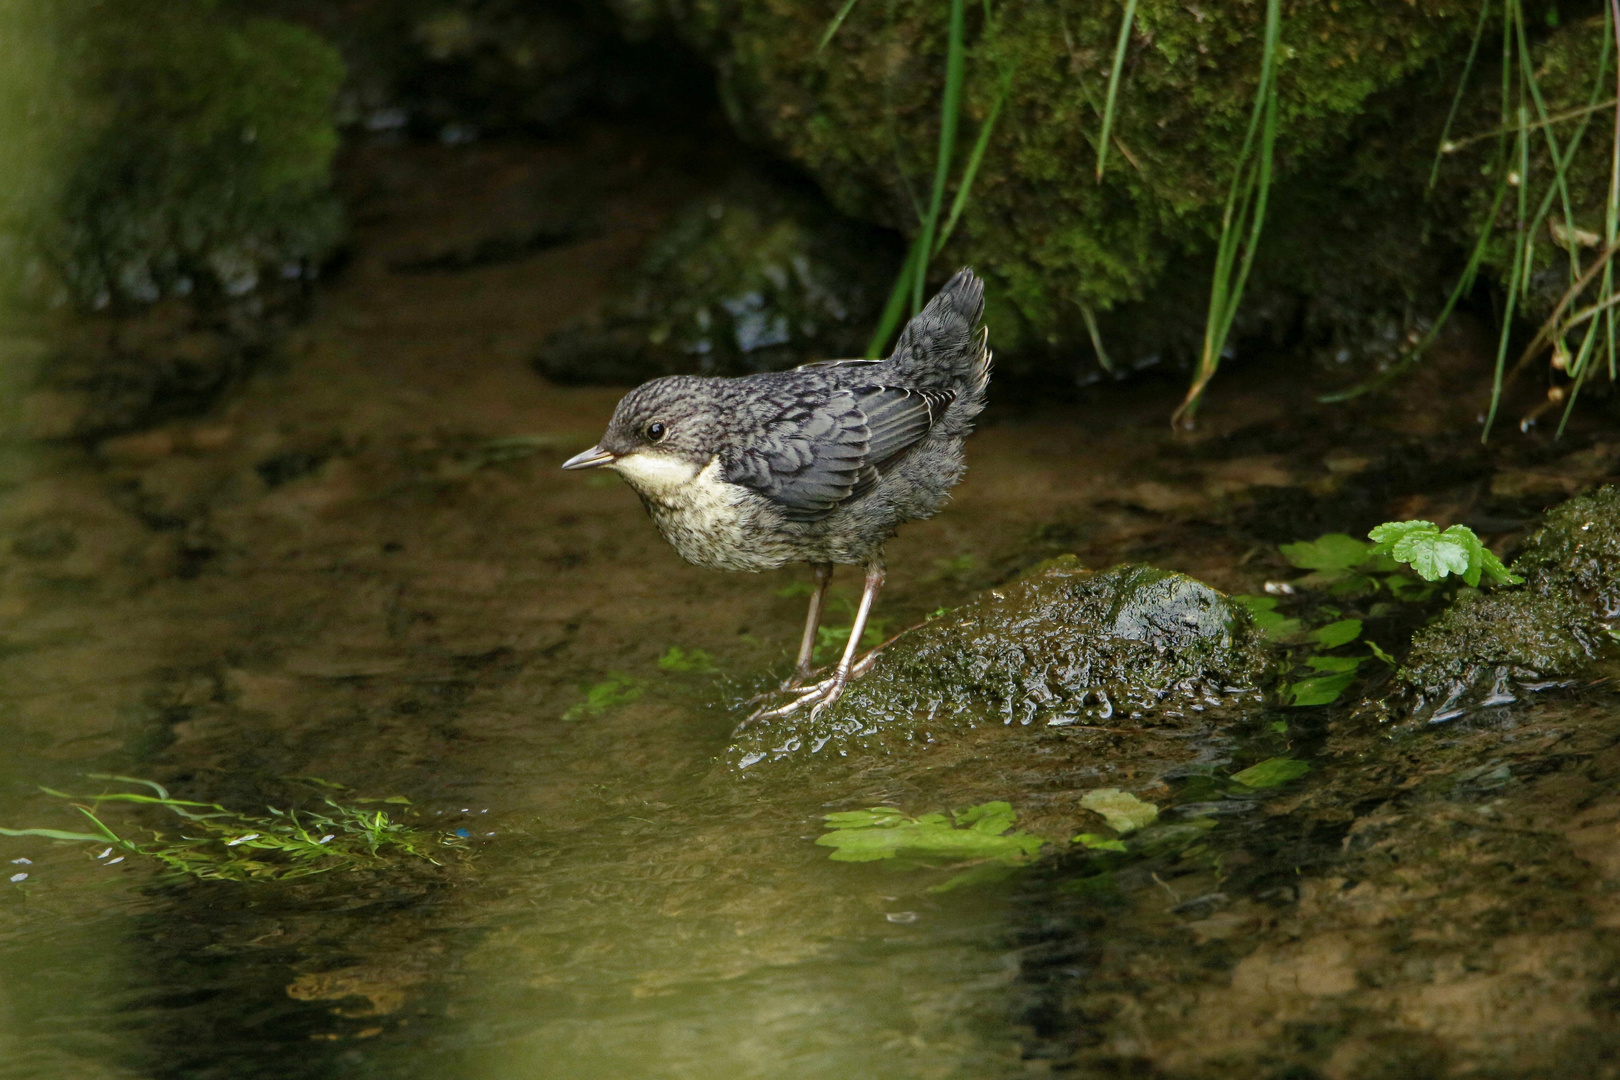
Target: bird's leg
<point>807,648</point>
<point>824,693</point>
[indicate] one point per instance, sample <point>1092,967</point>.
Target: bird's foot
<point>817,696</point>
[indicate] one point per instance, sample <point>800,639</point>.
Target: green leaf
<point>1273,624</point>
<point>983,874</point>
<point>1099,842</point>
<point>882,832</point>
<point>612,692</point>
<point>1273,772</point>
<point>1123,811</point>
<point>1322,690</point>
<point>1337,633</point>
<point>1380,653</point>
<point>994,818</point>
<point>1435,554</point>
<point>695,661</point>
<point>1334,663</point>
<point>54,834</point>
<point>1387,535</point>
<point>1498,573</point>
<point>1405,589</point>
<point>1335,551</point>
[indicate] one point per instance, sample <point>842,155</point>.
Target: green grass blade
<point>53,834</point>
<point>1096,338</point>
<point>949,110</point>
<point>980,145</point>
<point>832,27</point>
<point>1243,220</point>
<point>1445,146</point>
<point>1113,84</point>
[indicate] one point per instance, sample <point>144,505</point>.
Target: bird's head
<point>662,432</point>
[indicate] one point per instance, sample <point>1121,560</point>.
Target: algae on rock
<point>1061,646</point>
<point>1490,646</point>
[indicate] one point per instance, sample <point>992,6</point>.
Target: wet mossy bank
<point>1137,647</point>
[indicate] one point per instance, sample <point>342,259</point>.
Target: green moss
<point>1060,646</point>
<point>1488,646</point>
<point>862,117</point>
<point>196,156</point>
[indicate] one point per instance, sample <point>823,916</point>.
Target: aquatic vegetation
<point>977,834</point>
<point>215,843</point>
<point>1123,811</point>
<point>687,661</point>
<point>615,690</point>
<point>1273,772</point>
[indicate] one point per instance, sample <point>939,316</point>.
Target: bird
<point>819,464</point>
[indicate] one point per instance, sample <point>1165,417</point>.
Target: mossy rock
<point>757,277</point>
<point>192,156</point>
<point>1489,648</point>
<point>1059,647</point>
<point>862,116</point>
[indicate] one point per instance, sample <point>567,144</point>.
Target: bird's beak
<point>590,459</point>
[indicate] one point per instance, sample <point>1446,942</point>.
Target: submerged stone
<point>756,278</point>
<point>1060,647</point>
<point>1490,647</point>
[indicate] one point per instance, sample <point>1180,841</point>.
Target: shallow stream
<point>337,574</point>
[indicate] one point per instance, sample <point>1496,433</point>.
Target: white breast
<point>705,519</point>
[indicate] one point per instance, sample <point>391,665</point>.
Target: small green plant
<point>214,843</point>
<point>1435,554</point>
<point>1273,772</point>
<point>977,834</point>
<point>610,693</point>
<point>1408,559</point>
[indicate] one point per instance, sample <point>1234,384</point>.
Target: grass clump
<point>213,843</point>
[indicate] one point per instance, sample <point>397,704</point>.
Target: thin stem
<point>948,113</point>
<point>1456,101</point>
<point>1113,84</point>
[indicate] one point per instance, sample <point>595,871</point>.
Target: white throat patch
<point>662,477</point>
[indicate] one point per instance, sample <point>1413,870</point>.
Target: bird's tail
<point>944,345</point>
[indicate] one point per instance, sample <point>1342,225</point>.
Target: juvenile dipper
<point>820,464</point>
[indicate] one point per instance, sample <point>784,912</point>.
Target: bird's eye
<point>655,431</point>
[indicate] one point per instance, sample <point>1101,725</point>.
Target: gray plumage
<point>820,464</point>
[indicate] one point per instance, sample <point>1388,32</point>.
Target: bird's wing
<point>813,456</point>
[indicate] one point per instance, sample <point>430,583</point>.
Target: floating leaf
<point>1273,772</point>
<point>883,832</point>
<point>1123,811</point>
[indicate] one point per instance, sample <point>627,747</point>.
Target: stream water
<point>333,575</point>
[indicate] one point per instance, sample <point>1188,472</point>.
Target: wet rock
<point>756,278</point>
<point>1364,104</point>
<point>1063,646</point>
<point>1488,648</point>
